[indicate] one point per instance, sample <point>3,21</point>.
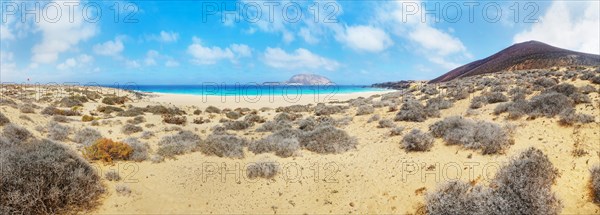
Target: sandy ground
<point>377,177</point>
<point>254,102</point>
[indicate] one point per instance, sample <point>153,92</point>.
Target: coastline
<point>254,101</point>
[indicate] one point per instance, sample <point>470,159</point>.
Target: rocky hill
<point>309,79</point>
<point>522,56</point>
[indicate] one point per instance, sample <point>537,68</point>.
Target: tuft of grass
<point>27,108</point>
<point>417,140</point>
<point>322,109</point>
<point>44,177</point>
<point>123,190</point>
<point>109,109</point>
<point>374,118</point>
<point>396,131</point>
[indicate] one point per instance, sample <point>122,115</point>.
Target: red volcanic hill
<point>522,56</point>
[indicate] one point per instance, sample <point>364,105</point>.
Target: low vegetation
<point>108,150</point>
<point>87,136</point>
<point>488,137</point>
<point>223,145</point>
<point>523,186</point>
<point>595,184</point>
<point>262,169</point>
<point>44,177</point>
<point>327,140</point>
<point>180,143</point>
<point>417,140</point>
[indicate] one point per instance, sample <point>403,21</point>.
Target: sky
<point>348,41</point>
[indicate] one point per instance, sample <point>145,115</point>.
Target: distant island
<point>304,79</point>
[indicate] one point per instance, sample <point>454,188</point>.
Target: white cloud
<point>570,25</point>
<point>110,48</point>
<point>132,64</point>
<point>436,40</point>
<point>308,36</point>
<point>171,63</point>
<point>366,38</point>
<point>61,35</point>
<point>151,57</point>
<point>70,63</point>
<point>210,55</point>
<point>299,59</point>
<point>6,32</point>
<point>169,36</point>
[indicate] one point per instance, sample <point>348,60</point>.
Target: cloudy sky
<point>351,42</point>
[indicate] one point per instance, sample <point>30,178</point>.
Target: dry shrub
<point>294,109</point>
<point>57,131</point>
<point>27,108</point>
<point>396,131</point>
<point>546,104</point>
<point>569,117</point>
<point>108,150</point>
<point>417,140</point>
<point>237,125</point>
<point>322,109</point>
<point>327,140</point>
<point>132,111</point>
<point>129,129</point>
<point>112,175</point>
<point>262,169</point>
<point>223,145</point>
<point>254,118</point>
<point>87,136</point>
<point>173,119</point>
<point>233,115</point>
<point>44,177</point>
<point>595,184</point>
<point>489,137</point>
<point>365,110</point>
<point>212,109</point>
<point>50,110</point>
<point>123,190</point>
<point>374,118</point>
<point>180,143</point>
<point>109,109</point>
<point>3,119</point>
<point>283,142</point>
<point>288,117</point>
<point>137,120</point>
<point>162,110</point>
<point>386,123</point>
<point>140,149</point>
<point>14,134</point>
<point>114,100</point>
<point>87,118</point>
<point>523,186</point>
<point>411,111</point>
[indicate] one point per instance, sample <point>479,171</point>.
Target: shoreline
<point>254,101</point>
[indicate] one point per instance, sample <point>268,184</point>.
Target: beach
<point>376,175</point>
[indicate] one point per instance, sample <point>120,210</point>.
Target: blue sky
<point>351,42</point>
